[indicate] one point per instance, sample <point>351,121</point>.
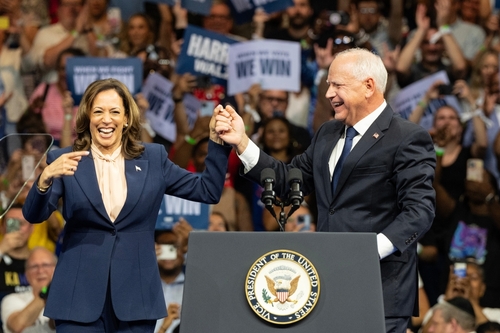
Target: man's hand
<point>230,128</point>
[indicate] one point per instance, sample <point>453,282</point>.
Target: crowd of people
<point>415,40</point>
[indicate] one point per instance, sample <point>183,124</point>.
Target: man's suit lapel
<point>374,133</point>
<point>87,179</point>
<point>136,172</point>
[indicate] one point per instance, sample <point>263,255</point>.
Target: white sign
<point>274,64</point>
<point>158,91</point>
<point>408,97</point>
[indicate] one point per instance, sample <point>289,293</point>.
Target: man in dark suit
<point>384,185</point>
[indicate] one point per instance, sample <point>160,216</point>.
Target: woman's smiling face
<point>107,121</point>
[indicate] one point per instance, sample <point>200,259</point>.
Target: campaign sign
<point>204,53</point>
<point>243,10</point>
<point>274,64</point>
<point>168,2</point>
<point>158,91</point>
<point>197,6</point>
<point>408,97</point>
<point>82,71</point>
<point>172,208</point>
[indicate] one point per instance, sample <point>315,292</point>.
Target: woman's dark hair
<point>131,137</point>
<point>291,152</point>
<point>72,51</point>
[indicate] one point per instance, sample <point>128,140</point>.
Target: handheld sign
<point>243,10</point>
<point>172,208</point>
<point>82,71</point>
<point>274,64</point>
<point>204,53</point>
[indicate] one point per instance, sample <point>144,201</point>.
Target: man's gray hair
<point>449,312</point>
<point>367,65</point>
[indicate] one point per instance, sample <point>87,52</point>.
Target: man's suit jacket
<point>385,187</point>
<point>97,253</point>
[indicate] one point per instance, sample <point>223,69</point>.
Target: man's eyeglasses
<point>43,266</point>
<point>368,10</point>
<point>345,40</point>
<point>270,99</point>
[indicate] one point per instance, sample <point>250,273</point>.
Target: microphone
<point>267,179</point>
<point>295,196</point>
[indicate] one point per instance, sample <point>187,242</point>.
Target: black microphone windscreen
<point>294,175</point>
<point>267,173</point>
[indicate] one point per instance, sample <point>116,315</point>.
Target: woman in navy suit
<point>107,279</point>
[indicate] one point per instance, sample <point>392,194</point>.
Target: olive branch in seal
<point>266,297</point>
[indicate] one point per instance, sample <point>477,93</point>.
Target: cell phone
<point>207,108</point>
<point>475,168</point>
<point>445,89</point>
<point>114,16</point>
<point>168,252</point>
<point>460,269</point>
<point>27,166</point>
<point>305,221</point>
<point>12,225</point>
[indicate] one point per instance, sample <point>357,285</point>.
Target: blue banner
<point>243,10</point>
<point>172,208</point>
<point>197,6</point>
<point>205,53</point>
<point>82,71</point>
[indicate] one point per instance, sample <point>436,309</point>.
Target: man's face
<point>272,101</point>
<point>347,95</point>
<point>40,269</point>
<point>438,325</point>
<point>369,15</point>
<point>300,13</point>
<point>97,8</point>
<point>219,20</point>
<point>68,11</point>
<point>431,53</point>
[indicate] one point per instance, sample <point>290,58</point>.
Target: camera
<point>12,225</point>
<point>338,18</point>
<point>445,89</point>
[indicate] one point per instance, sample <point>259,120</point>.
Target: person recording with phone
<point>112,185</point>
<point>171,266</point>
<point>470,227</point>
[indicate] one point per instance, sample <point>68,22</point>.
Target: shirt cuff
<point>385,246</point>
<point>250,156</point>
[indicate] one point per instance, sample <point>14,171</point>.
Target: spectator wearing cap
<point>456,315</point>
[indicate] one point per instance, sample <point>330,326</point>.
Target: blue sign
<point>82,71</point>
<point>243,10</point>
<point>197,6</point>
<point>205,53</point>
<point>172,208</point>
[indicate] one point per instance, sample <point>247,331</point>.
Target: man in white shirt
<point>23,312</point>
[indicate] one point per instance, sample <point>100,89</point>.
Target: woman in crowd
<point>112,186</point>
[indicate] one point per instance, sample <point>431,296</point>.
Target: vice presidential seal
<point>282,287</point>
